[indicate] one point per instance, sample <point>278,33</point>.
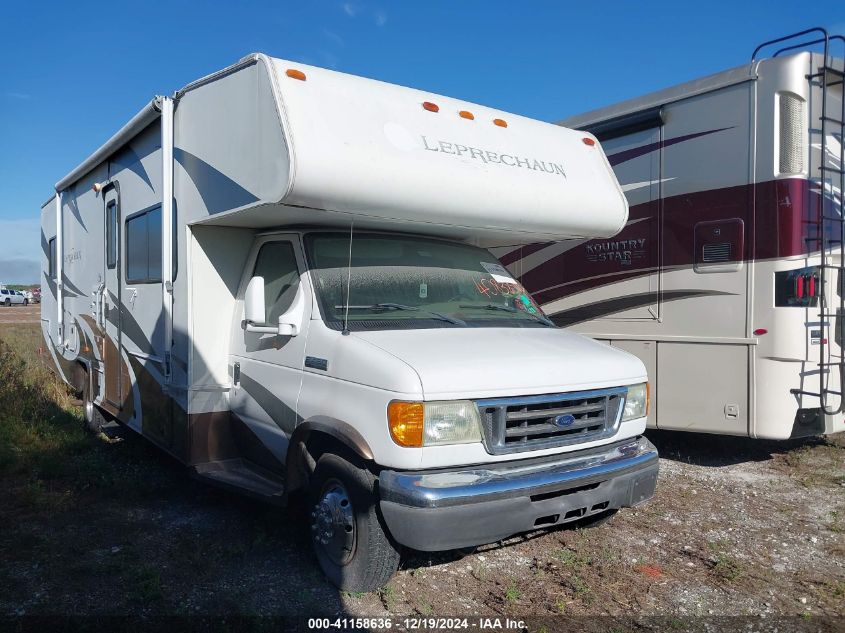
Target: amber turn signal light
<point>406,420</point>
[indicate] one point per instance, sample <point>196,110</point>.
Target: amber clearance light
<point>406,421</point>
<point>293,73</point>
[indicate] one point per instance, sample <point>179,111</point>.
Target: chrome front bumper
<point>445,509</point>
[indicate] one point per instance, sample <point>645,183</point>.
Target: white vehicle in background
<point>9,297</point>
<point>295,295</point>
<point>727,280</point>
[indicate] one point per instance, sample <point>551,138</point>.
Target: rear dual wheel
<point>350,541</point>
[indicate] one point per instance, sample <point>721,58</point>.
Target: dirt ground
<point>738,527</point>
<point>20,314</point>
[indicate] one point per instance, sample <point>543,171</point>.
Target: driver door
<point>266,369</point>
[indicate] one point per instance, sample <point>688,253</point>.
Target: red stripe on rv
<point>783,225</point>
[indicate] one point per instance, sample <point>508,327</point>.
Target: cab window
<point>276,262</point>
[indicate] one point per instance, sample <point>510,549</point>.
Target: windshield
<point>404,282</point>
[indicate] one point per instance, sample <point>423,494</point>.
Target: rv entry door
<point>112,365</point>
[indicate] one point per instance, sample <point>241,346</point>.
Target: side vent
<point>792,128</point>
<point>712,253</point>
<point>719,246</point>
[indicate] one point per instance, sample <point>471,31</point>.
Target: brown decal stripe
<point>591,311</point>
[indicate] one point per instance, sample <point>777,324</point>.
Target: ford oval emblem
<point>563,420</point>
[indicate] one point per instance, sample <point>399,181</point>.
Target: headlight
<point>416,424</point>
<point>636,402</point>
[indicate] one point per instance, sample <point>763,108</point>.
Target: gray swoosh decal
<point>278,411</point>
<point>128,326</point>
<point>128,159</point>
<point>629,154</point>
<point>217,190</point>
<point>74,208</point>
<point>45,245</point>
<point>70,288</point>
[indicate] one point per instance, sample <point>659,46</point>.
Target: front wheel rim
<point>333,523</point>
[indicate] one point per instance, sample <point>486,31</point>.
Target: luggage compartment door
<point>703,387</point>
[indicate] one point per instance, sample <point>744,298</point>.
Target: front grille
<point>512,425</point>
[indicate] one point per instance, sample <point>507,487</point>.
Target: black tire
<point>8,303</point>
<point>25,302</point>
<point>342,496</point>
<point>91,414</point>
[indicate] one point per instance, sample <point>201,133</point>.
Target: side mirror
<point>290,323</point>
<point>254,302</point>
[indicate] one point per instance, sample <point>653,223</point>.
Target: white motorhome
<point>279,276</point>
<point>724,279</point>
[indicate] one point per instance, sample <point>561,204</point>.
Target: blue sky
<point>74,72</point>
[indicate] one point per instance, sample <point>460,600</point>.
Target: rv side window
<point>143,247</point>
<point>276,262</point>
<point>111,234</point>
<point>52,262</point>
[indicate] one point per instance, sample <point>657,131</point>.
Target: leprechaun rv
<point>725,280</point>
<point>279,276</point>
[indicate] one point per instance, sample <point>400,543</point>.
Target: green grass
<point>388,597</point>
<point>43,439</point>
<point>573,559</point>
<point>512,593</point>
<point>724,565</point>
<point>39,427</point>
<point>425,608</point>
<point>579,586</point>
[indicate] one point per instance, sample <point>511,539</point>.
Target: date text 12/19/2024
<point>417,624</point>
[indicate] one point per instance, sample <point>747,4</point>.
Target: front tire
<point>8,303</point>
<point>349,540</point>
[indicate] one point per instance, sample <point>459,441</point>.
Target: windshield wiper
<point>494,306</point>
<point>400,306</point>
